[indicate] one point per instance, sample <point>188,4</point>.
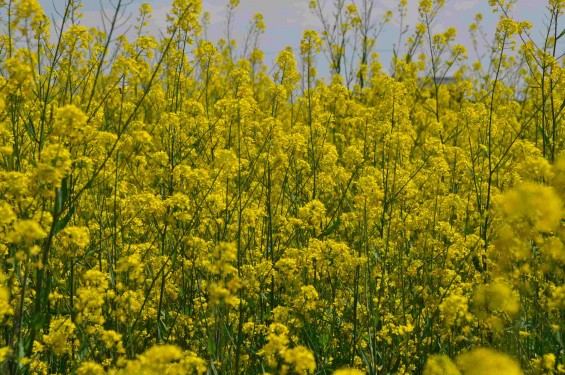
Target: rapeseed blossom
<point>172,205</point>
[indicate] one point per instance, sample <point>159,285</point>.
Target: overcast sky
<point>286,19</point>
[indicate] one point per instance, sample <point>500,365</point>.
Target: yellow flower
<point>90,298</point>
<point>313,214</point>
<point>26,232</point>
<point>454,308</point>
<point>70,122</point>
<point>5,308</point>
<point>75,238</point>
<point>348,371</point>
<point>4,354</point>
<point>90,368</point>
<point>54,166</point>
<point>7,215</point>
<point>301,359</point>
<point>545,364</point>
<point>440,364</point>
<point>484,361</point>
<point>532,205</point>
<point>26,8</point>
<point>61,330</point>
<point>496,297</point>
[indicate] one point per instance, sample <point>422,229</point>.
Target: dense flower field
<point>172,206</point>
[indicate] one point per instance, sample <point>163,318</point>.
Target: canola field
<point>172,205</point>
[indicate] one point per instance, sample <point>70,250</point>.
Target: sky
<point>287,19</point>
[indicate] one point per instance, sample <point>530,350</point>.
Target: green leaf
<point>561,108</point>
<point>30,129</point>
<point>62,223</point>
<point>211,345</point>
<point>332,228</point>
